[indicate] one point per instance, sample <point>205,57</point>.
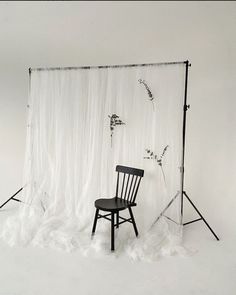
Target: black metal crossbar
<point>108,66</point>
<point>192,221</point>
<point>170,219</point>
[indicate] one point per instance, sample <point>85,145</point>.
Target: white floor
<point>35,271</point>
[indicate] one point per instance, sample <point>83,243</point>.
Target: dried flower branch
<point>151,97</point>
<point>114,121</point>
<point>155,157</point>
<point>158,160</point>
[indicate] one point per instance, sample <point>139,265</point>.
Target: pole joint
<point>186,107</point>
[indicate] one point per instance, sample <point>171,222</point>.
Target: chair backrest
<point>129,178</point>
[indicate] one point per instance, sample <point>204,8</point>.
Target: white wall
<point>52,33</point>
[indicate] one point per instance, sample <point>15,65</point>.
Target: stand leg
<point>162,213</point>
<point>201,216</point>
<point>12,198</point>
<point>5,202</point>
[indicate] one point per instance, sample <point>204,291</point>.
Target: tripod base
<point>12,198</point>
<point>192,221</point>
<point>201,217</point>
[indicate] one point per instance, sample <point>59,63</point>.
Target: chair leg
<point>117,219</point>
<point>133,221</point>
<point>95,221</point>
<point>112,231</point>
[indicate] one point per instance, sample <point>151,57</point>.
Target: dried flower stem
<point>152,156</point>
<point>151,97</point>
<point>114,121</point>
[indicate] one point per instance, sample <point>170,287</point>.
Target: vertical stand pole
<point>185,108</point>
<point>183,193</point>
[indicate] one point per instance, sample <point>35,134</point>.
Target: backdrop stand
<point>182,192</point>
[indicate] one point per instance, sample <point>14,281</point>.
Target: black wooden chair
<point>124,199</point>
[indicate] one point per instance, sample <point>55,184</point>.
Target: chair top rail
<point>130,170</point>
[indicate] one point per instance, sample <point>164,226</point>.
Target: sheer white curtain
<point>71,157</point>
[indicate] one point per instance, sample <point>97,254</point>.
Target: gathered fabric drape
<point>81,124</point>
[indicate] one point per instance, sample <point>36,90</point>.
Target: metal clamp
<point>186,107</point>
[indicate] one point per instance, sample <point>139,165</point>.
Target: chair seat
<point>114,204</point>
